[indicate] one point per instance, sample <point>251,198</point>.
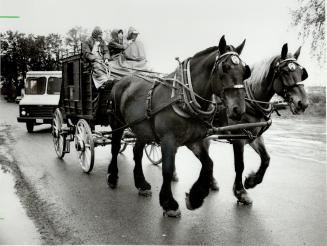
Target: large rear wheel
<point>59,140</point>
<point>84,145</point>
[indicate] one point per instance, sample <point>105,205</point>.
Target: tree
<point>75,37</point>
<point>310,17</point>
<point>54,50</point>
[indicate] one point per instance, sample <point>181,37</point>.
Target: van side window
<point>54,85</point>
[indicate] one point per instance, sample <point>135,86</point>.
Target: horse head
<point>228,74</point>
<point>288,75</point>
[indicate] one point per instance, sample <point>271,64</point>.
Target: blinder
<point>304,74</point>
<point>235,60</point>
<point>247,72</point>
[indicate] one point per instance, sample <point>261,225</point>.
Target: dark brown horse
<point>279,74</point>
<point>214,71</point>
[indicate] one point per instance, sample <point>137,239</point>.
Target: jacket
<point>116,46</point>
<point>87,47</point>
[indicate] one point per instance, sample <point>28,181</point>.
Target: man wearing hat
<point>96,52</point>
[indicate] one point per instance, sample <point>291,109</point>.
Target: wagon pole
<point>217,130</point>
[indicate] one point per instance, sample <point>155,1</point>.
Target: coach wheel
<point>84,145</point>
<point>59,140</point>
<point>153,152</point>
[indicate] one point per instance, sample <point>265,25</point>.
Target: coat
<point>87,47</point>
<point>116,46</point>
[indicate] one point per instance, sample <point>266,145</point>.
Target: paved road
<point>72,207</point>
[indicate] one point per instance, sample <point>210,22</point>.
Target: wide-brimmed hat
<point>132,30</point>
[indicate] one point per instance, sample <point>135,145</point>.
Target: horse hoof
<point>245,202</point>
<point>250,181</point>
<point>146,193</point>
<point>111,182</point>
<point>187,201</point>
<point>172,213</point>
<point>244,199</point>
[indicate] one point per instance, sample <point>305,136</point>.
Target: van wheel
<point>29,126</point>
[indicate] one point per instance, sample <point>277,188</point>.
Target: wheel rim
<point>153,152</point>
<point>58,139</point>
<point>85,144</point>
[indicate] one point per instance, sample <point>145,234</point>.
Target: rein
<point>187,96</point>
<point>256,104</point>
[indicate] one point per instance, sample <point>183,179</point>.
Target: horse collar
<point>255,104</point>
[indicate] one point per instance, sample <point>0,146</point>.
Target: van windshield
<point>35,85</point>
<point>54,85</point>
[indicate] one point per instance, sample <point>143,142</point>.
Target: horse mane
<point>206,51</point>
<point>260,70</point>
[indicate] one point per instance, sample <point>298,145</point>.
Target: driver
<point>96,52</point>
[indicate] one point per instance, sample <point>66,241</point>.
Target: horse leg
<point>200,188</point>
<point>140,183</point>
<point>167,201</point>
<point>256,178</point>
<point>112,174</point>
<point>175,176</point>
<point>239,192</point>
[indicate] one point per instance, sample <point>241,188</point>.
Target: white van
<point>41,98</point>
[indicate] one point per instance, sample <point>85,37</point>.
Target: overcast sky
<point>171,28</point>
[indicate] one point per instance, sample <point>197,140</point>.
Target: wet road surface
<point>289,206</point>
<point>13,217</point>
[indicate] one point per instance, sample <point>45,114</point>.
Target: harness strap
<point>154,112</point>
<point>266,112</point>
<point>148,112</point>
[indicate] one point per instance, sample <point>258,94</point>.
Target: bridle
<point>218,66</point>
<point>291,64</point>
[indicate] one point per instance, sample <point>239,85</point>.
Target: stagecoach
<point>75,118</point>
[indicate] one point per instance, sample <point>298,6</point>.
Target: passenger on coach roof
<point>117,44</point>
<point>96,52</point>
<point>135,51</point>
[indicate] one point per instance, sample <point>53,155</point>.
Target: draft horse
<point>280,74</point>
<point>214,71</point>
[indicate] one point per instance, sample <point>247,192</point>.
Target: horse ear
<point>222,45</point>
<point>284,52</point>
<point>297,53</point>
<point>240,47</point>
